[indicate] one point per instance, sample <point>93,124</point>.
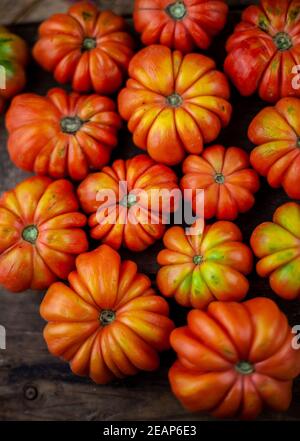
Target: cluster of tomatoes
<point>107,322</point>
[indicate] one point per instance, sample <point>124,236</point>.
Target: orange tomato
<point>226,178</point>
<point>276,133</point>
<point>204,264</point>
<point>108,323</point>
<point>61,134</point>
<point>135,217</point>
<point>174,103</point>
<point>181,25</point>
<point>235,359</point>
<point>40,233</point>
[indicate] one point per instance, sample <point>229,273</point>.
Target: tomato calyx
<point>283,41</point>
<point>176,10</point>
<point>71,124</point>
<point>219,178</point>
<point>244,368</point>
<point>198,259</point>
<point>89,43</point>
<point>107,316</point>
<point>174,100</point>
<point>298,142</point>
<point>128,200</point>
<point>30,234</point>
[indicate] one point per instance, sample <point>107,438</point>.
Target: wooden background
<point>36,386</point>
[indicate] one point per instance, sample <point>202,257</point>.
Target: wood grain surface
<point>36,386</point>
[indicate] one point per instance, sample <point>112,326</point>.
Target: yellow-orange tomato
<point>203,265</point>
<point>108,323</point>
<point>277,244</point>
<point>40,233</point>
<point>174,103</point>
<point>235,359</point>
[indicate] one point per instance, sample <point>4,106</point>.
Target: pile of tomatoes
<point>234,357</point>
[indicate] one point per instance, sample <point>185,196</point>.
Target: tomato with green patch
<point>277,244</point>
<point>264,50</point>
<point>204,264</point>
<point>40,233</point>
<point>276,133</point>
<point>235,359</point>
<point>14,55</point>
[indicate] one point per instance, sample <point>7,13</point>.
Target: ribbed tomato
<point>14,56</point>
<point>61,134</point>
<point>276,132</point>
<point>277,244</point>
<point>264,49</point>
<point>235,359</point>
<point>89,48</point>
<point>181,25</point>
<point>225,177</point>
<point>108,323</point>
<point>174,103</point>
<point>200,266</point>
<point>135,217</point>
<point>40,233</point>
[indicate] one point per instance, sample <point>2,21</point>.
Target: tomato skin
<point>263,50</point>
<point>223,262</point>
<point>276,132</point>
<point>195,26</point>
<point>85,47</point>
<point>277,245</point>
<point>235,359</point>
<point>14,56</point>
<point>139,231</point>
<point>174,103</point>
<point>40,233</point>
<point>43,138</point>
<point>226,178</point>
<point>104,350</point>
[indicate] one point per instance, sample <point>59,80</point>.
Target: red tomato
<point>181,25</point>
<point>108,323</point>
<point>264,49</point>
<point>276,132</point>
<point>235,359</point>
<point>133,219</point>
<point>40,233</point>
<point>14,57</point>
<point>89,48</point>
<point>226,179</point>
<point>174,103</point>
<point>61,134</point>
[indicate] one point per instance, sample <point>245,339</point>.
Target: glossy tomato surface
<point>61,134</point>
<point>202,265</point>
<point>264,50</point>
<point>277,244</point>
<point>225,177</point>
<point>40,233</point>
<point>174,103</point>
<point>276,133</point>
<point>235,359</point>
<point>181,25</point>
<point>85,47</point>
<point>108,323</point>
<point>125,204</point>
